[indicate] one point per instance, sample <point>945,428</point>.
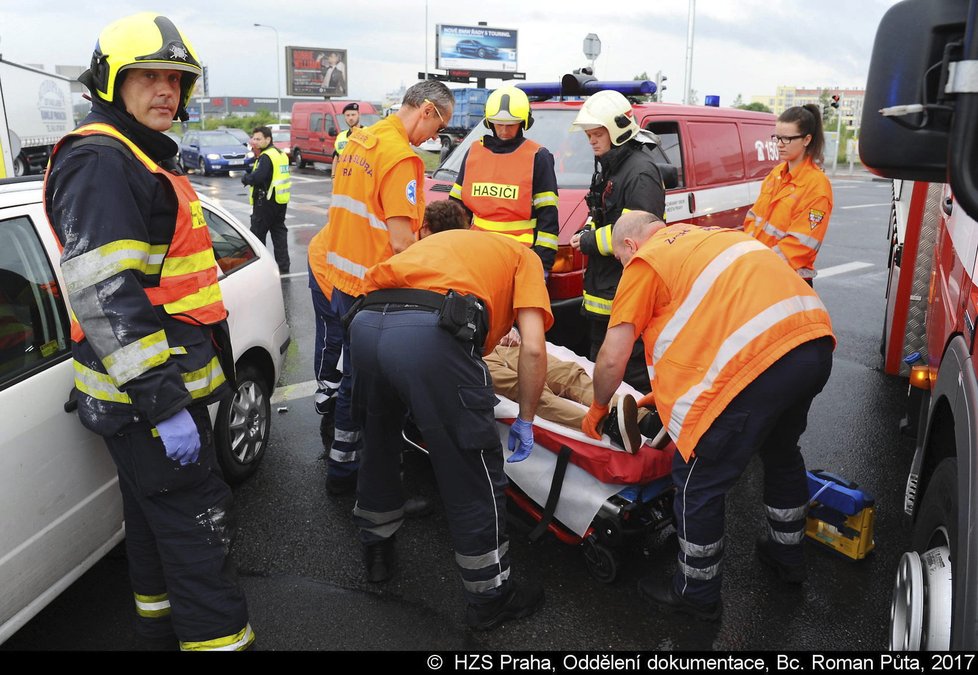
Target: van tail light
<point>564,262</point>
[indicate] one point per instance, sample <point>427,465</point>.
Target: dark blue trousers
<point>767,418</point>
<point>344,456</point>
<point>403,363</point>
<point>328,345</point>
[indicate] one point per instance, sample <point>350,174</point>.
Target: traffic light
<point>835,101</point>
<point>659,85</point>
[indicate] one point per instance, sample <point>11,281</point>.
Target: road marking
<point>842,269</point>
<point>292,392</point>
<point>301,225</point>
<point>863,206</point>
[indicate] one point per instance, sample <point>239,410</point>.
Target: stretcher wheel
<point>602,562</point>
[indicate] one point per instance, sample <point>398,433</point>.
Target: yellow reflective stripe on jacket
<point>504,227</point>
<point>230,643</point>
<point>546,240</point>
<point>188,264</point>
<point>602,238</point>
<point>152,606</point>
<point>202,298</point>
<point>596,305</point>
<point>137,357</point>
<point>456,191</point>
<point>109,259</point>
<point>199,383</point>
<point>541,199</point>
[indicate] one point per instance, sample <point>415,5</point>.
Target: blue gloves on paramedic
<point>180,437</point>
<point>520,433</point>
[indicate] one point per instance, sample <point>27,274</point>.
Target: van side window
<point>671,146</point>
<point>316,122</point>
<point>718,156</point>
<point>33,318</point>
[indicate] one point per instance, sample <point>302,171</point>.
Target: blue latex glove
<point>520,433</point>
<point>180,437</point>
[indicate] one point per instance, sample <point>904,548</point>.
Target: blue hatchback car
<point>208,152</point>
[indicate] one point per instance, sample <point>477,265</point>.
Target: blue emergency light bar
<point>555,89</point>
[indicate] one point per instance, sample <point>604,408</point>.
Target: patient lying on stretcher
<point>568,387</point>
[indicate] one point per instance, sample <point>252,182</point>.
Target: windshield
<point>281,137</point>
<point>366,119</point>
<point>573,158</point>
<point>214,138</point>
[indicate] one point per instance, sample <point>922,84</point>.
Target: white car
<point>59,495</point>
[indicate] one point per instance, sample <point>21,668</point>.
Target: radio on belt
<point>841,516</point>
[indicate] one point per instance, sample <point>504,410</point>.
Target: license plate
<point>235,162</point>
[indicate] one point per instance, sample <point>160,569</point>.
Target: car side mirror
<point>332,131</point>
<point>920,113</point>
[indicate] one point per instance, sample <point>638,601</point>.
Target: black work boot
<point>379,560</point>
<point>788,573</point>
<point>518,602</point>
<point>660,592</point>
<point>621,425</point>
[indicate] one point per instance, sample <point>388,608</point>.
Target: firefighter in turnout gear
<point>733,375</point>
<point>625,179</point>
<point>508,182</point>
<point>149,336</point>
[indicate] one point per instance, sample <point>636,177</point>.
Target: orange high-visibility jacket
<point>498,190</point>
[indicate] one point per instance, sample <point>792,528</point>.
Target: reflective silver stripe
<point>231,643</point>
<point>108,260</point>
<point>456,191</point>
<point>542,199</point>
<point>751,214</point>
<point>651,373</point>
<point>97,385</point>
<point>602,238</point>
<point>487,585</point>
<point>787,538</point>
<point>342,457</point>
<point>596,305</point>
<point>734,344</point>
<point>344,436</point>
<point>699,550</point>
<point>704,282</point>
<point>357,208</point>
<point>704,574</point>
<point>546,240</point>
<point>809,242</point>
<point>344,265</point>
<point>786,515</point>
<point>773,231</point>
<point>777,249</point>
<point>137,357</point>
<point>382,524</point>
<point>477,562</point>
<point>806,272</point>
<point>205,380</point>
<point>152,605</point>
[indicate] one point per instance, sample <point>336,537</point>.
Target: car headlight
<point>250,155</point>
<point>213,156</point>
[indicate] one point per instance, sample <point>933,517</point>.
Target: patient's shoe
<point>651,427</point>
<point>621,425</point>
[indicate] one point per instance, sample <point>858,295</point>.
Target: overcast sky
<point>746,47</point>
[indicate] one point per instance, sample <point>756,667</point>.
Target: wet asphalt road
<point>299,560</point>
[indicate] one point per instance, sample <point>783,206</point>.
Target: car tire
<point>482,53</point>
<point>242,427</point>
<point>299,163</point>
<point>202,167</point>
<point>20,166</point>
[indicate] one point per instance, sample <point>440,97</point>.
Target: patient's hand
<point>511,339</point>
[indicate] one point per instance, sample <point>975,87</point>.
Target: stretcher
<point>587,492</point>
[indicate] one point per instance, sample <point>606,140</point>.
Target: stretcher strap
<point>563,457</point>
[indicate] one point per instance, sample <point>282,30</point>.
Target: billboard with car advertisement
<point>475,48</point>
<point>315,71</point>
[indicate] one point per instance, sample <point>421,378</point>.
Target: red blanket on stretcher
<point>610,466</point>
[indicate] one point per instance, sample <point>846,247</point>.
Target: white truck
<point>38,111</point>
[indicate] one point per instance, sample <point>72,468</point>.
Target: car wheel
<point>20,166</point>
<point>482,53</point>
<point>298,159</point>
<point>201,167</point>
<point>243,424</point>
<point>923,596</point>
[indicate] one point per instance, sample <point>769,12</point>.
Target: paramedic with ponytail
<point>791,214</point>
<point>733,374</point>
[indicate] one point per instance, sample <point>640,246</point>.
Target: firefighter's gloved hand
<point>647,401</point>
<point>520,440</point>
<point>592,420</point>
<point>180,437</point>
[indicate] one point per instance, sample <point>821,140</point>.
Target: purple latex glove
<point>180,437</point>
<point>520,433</point>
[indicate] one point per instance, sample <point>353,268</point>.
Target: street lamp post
<point>278,71</point>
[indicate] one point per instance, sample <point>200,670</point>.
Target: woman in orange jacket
<point>791,214</point>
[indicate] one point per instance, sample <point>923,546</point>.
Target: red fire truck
<point>920,126</point>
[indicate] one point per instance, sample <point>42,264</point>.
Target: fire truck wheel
<point>602,562</point>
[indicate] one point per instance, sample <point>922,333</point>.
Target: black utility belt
<point>462,316</point>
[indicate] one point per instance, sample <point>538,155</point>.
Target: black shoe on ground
<point>651,427</point>
<point>790,574</point>
<point>379,560</point>
<point>417,507</point>
<point>341,485</point>
<point>621,425</point>
<point>659,591</point>
<point>519,602</point>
